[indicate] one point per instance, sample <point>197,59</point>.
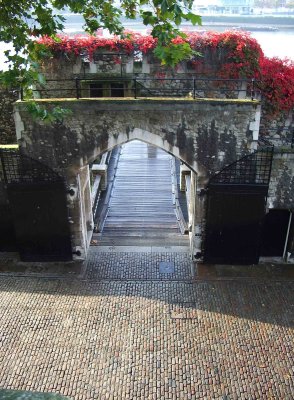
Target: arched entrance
<point>79,198</point>
<point>142,203</point>
<point>205,135</point>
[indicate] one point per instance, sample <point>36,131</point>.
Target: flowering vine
<point>236,54</point>
<point>277,84</point>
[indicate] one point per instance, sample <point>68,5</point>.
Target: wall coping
<point>131,104</point>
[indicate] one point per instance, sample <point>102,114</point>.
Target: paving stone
<point>117,338</point>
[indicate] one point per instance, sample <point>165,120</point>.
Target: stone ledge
<point>129,100</point>
<point>260,272</point>
<point>10,264</point>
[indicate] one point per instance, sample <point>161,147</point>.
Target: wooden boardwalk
<point>141,207</point>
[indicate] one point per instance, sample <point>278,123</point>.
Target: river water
<point>278,43</point>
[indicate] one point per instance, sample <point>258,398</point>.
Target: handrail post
<point>252,88</point>
<point>194,88</point>
<point>77,88</point>
<point>135,88</point>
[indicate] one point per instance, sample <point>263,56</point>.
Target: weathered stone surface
<point>7,127</point>
<point>278,130</point>
<point>204,134</point>
<point>281,189</point>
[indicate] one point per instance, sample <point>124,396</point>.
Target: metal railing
<point>253,169</point>
<point>192,88</point>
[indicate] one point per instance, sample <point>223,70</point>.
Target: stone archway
<point>204,134</point>
<point>79,196</point>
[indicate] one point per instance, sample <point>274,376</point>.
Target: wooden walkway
<point>141,207</point>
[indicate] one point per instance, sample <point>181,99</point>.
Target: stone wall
<point>281,189</point>
<point>61,72</point>
<point>206,135</point>
<point>279,130</point>
<point>7,126</point>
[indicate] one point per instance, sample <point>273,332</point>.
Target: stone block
<point>101,169</point>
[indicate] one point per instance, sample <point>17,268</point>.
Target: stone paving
<point>127,265</point>
<point>100,338</point>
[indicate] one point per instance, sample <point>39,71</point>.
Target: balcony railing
<point>189,88</point>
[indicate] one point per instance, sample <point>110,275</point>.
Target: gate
<point>236,208</point>
<point>37,201</point>
<point>7,236</point>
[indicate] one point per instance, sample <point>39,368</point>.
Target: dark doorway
<point>96,90</point>
<point>117,89</point>
<point>274,233</point>
<point>37,199</point>
<point>41,221</point>
<point>7,235</point>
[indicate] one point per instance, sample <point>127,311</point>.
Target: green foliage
<point>39,112</point>
<point>173,53</point>
<point>22,21</point>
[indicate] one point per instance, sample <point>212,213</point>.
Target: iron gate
<point>37,200</point>
<point>236,208</point>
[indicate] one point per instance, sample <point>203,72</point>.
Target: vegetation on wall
<point>277,84</point>
<point>22,21</point>
<point>236,54</point>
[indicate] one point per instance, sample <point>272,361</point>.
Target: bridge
<point>144,206</point>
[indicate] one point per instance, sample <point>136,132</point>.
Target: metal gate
<point>37,200</point>
<point>235,210</point>
<point>7,236</point>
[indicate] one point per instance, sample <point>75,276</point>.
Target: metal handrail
<point>192,89</point>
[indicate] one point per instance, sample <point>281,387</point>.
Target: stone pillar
<point>184,171</point>
<point>100,169</point>
<point>80,212</point>
<point>199,218</point>
<point>254,127</point>
<point>145,65</point>
<point>191,208</point>
<point>196,210</point>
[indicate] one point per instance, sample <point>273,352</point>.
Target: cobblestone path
<point>145,338</point>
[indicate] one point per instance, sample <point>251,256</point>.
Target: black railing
<point>253,169</point>
<point>18,168</point>
<point>193,88</point>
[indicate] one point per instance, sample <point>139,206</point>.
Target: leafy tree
<point>22,21</point>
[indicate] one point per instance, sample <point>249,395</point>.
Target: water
<point>273,43</point>
<point>276,44</point>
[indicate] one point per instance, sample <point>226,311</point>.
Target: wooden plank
<point>142,199</point>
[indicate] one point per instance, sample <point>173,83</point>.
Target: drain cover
<point>166,267</point>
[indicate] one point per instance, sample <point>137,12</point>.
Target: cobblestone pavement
<point>138,266</point>
<point>147,339</point>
